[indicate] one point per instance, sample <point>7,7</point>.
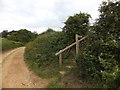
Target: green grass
<point>70,80</point>
<point>47,71</point>
<point>8,44</point>
<point>54,84</point>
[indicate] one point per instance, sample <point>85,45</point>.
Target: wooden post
<point>60,59</point>
<point>77,44</point>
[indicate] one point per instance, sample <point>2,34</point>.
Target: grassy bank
<point>8,44</point>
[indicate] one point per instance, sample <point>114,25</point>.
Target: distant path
<point>15,73</point>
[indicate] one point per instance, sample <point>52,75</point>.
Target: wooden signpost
<point>75,43</point>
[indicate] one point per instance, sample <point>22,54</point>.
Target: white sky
<point>38,15</point>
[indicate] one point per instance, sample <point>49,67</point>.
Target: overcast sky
<point>38,15</point>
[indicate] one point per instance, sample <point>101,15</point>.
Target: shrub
<point>77,24</point>
<point>22,35</point>
<point>99,59</point>
<point>40,54</point>
<point>9,44</point>
<point>97,63</point>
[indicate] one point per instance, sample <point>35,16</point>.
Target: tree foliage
<point>49,30</point>
<point>77,24</point>
<point>99,60</point>
<point>40,54</point>
<point>22,35</point>
<point>8,44</point>
<point>4,33</point>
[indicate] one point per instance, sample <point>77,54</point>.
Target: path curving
<point>15,73</point>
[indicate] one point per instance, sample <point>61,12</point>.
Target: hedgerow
<point>9,44</point>
<point>99,56</point>
<point>40,54</point>
<point>99,60</point>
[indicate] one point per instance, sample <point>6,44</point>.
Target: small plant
<point>54,84</point>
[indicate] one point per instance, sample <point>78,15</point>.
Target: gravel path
<point>15,73</point>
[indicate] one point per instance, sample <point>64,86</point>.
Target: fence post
<point>77,44</point>
<point>60,59</point>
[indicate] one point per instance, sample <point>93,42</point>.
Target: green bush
<point>76,24</point>
<point>97,63</point>
<point>99,60</point>
<point>9,44</point>
<point>21,35</point>
<point>40,54</point>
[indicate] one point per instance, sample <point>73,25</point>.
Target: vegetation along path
<point>15,73</point>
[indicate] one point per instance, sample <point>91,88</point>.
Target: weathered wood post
<point>66,48</point>
<point>77,44</point>
<point>60,59</point>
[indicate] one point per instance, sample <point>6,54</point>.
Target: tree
<point>4,33</point>
<point>49,30</point>
<point>22,35</point>
<point>77,24</point>
<point>99,60</point>
<point>108,26</point>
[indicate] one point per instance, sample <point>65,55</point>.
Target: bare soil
<point>15,73</point>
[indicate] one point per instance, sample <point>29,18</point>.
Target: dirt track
<point>15,73</point>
